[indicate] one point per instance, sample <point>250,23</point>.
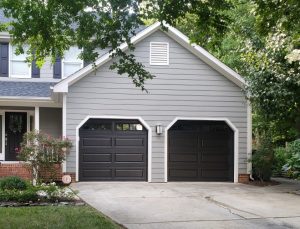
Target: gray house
<point>194,124</point>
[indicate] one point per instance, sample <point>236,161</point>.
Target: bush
<point>12,183</point>
<point>263,159</point>
<point>19,196</point>
<point>280,159</point>
<point>292,166</point>
<point>43,152</point>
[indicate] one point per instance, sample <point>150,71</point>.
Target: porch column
<point>64,125</point>
<point>37,118</point>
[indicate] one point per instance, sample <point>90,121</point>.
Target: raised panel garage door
<point>200,151</point>
<point>112,150</point>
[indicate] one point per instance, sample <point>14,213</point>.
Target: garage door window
<point>94,126</point>
<point>129,127</point>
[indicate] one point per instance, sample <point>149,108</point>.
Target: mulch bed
<point>33,204</point>
<point>259,183</point>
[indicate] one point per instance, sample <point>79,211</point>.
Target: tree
<point>50,27</point>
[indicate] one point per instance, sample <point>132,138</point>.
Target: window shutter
<point>159,53</point>
<point>57,68</point>
<point>4,59</point>
<point>35,71</point>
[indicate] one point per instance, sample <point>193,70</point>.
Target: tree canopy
<point>260,39</point>
<point>53,26</point>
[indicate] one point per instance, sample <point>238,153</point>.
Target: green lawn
<point>54,217</point>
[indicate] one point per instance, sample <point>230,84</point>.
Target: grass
<point>54,217</point>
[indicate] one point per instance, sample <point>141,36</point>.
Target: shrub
<point>19,195</point>
<point>263,159</point>
<point>292,166</point>
<point>43,152</point>
<point>280,159</point>
<point>12,183</point>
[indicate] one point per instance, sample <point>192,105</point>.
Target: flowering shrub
<point>43,152</point>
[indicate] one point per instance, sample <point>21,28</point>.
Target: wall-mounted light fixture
<point>159,129</point>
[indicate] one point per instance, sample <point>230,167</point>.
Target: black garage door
<point>112,150</point>
<point>200,151</point>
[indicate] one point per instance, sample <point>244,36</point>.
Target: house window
<point>159,53</point>
<point>19,68</point>
<point>71,62</point>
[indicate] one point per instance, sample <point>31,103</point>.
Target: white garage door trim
<point>230,124</point>
<point>116,117</point>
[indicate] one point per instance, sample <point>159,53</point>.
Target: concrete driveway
<point>195,205</point>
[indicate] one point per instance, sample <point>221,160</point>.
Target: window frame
<point>10,65</point>
<point>63,61</point>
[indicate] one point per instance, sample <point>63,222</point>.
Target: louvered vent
<point>159,53</point>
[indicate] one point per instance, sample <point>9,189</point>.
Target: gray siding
<point>51,121</point>
<point>186,87</point>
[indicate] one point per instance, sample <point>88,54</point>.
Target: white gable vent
<point>159,53</point>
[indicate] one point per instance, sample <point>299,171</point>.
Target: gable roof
<point>205,56</point>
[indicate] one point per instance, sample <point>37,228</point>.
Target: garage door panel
<point>132,173</point>
<point>188,142</point>
<point>185,157</point>
<point>101,142</point>
<point>96,150</point>
<point>204,153</point>
<point>97,158</point>
<point>217,159</point>
<point>96,173</point>
<point>117,154</point>
<point>215,173</point>
<point>132,150</point>
<point>136,142</point>
<point>184,173</point>
<point>214,142</point>
<point>129,157</point>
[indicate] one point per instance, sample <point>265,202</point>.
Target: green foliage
<point>42,193</point>
<point>12,183</point>
<point>280,160</point>
<point>293,162</point>
<point>19,195</point>
<point>43,152</point>
<point>263,159</point>
<point>58,217</point>
<point>51,27</point>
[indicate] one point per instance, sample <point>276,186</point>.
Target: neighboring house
<point>194,123</point>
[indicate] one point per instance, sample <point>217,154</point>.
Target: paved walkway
<point>195,205</point>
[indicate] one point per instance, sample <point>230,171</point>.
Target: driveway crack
<point>230,208</point>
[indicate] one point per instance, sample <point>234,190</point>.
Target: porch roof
<point>25,89</point>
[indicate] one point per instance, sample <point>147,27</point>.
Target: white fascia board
<point>25,99</point>
<point>5,37</point>
<point>206,56</point>
<point>64,84</point>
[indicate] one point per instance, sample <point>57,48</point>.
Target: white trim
<point>26,98</point>
<point>63,62</point>
<point>150,53</point>
<point>116,117</point>
<point>249,137</point>
<point>36,118</point>
<point>3,113</point>
<point>63,85</point>
<point>64,125</point>
<point>230,124</point>
<point>10,60</point>
<point>2,155</point>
